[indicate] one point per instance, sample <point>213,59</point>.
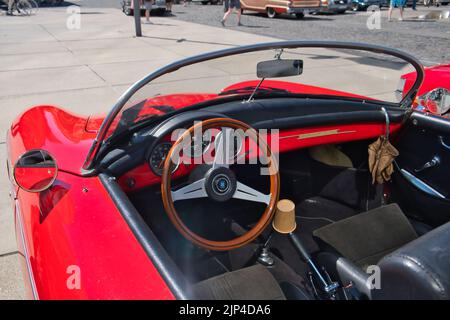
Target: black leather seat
<point>418,270</point>
<point>410,267</point>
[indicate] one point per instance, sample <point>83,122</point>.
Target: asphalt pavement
<point>427,40</point>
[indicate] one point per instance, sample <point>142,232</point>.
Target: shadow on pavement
<point>254,26</point>
<point>289,17</point>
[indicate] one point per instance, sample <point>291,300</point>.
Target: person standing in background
<point>229,5</point>
<point>169,6</point>
<point>148,7</point>
<point>399,4</point>
<point>10,4</point>
<point>414,5</point>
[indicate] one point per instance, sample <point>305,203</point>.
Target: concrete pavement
<point>11,285</point>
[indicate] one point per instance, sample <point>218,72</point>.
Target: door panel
<point>422,179</point>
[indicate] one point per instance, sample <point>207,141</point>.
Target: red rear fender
<point>57,131</point>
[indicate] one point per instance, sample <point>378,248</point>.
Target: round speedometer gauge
<point>158,156</point>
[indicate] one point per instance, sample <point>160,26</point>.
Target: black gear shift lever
<point>284,223</point>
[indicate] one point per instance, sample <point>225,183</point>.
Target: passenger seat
<point>411,267</point>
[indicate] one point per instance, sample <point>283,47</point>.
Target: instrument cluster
<point>159,153</point>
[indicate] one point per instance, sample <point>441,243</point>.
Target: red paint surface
<point>179,101</point>
<point>65,226</point>
<point>68,227</point>
<point>59,132</point>
<point>34,178</point>
<point>292,87</point>
<point>435,77</point>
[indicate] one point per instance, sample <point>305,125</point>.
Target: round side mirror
<point>35,171</point>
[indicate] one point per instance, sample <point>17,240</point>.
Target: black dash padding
<point>252,283</point>
<point>366,237</point>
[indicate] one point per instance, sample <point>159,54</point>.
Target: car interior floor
<point>327,183</point>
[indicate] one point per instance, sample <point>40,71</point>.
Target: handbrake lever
<point>284,223</point>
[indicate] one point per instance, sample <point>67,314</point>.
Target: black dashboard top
<point>274,113</point>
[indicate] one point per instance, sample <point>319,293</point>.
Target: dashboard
<point>149,173</point>
<point>295,124</point>
<point>157,157</point>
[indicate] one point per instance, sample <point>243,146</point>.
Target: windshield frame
<point>408,98</point>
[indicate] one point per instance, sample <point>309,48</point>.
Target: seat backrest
<point>250,283</point>
<point>419,269</point>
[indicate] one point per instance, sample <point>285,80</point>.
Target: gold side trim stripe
<point>318,134</point>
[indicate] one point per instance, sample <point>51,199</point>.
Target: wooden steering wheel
<point>219,183</point>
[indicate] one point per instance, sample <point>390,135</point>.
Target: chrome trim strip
<point>26,254</point>
<point>388,123</point>
<point>317,134</point>
<point>421,185</point>
<point>441,140</point>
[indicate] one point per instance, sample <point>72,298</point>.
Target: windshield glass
<point>355,73</point>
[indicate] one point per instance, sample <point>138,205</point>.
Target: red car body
<point>73,220</point>
<point>435,77</point>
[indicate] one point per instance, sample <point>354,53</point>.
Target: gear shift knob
<point>284,220</point>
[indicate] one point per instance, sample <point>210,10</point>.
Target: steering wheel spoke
<point>193,190</point>
<point>222,148</point>
<point>245,192</point>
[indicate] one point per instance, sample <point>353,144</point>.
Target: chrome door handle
<point>441,139</point>
<point>432,163</point>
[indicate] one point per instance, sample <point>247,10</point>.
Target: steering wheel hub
<point>220,184</point>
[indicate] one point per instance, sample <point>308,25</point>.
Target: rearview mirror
<point>35,171</point>
<point>279,68</point>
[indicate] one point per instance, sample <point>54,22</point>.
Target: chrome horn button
<point>220,184</point>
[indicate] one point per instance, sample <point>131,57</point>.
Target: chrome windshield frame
<point>89,164</point>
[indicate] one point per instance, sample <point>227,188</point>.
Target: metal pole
<point>137,17</point>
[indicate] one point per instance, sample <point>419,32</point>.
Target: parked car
<point>274,8</point>
<point>106,206</point>
<point>51,2</point>
<point>159,7</point>
<point>436,3</point>
<point>334,6</point>
<point>428,3</point>
<point>410,2</point>
<point>205,2</point>
<point>359,5</point>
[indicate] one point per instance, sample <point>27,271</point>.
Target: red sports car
<point>284,170</point>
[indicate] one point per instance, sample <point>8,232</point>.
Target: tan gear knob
<point>284,220</point>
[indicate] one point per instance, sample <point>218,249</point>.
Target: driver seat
<point>410,267</point>
<point>250,283</point>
